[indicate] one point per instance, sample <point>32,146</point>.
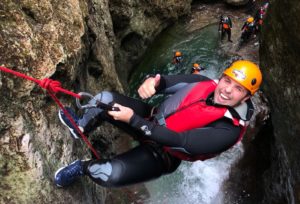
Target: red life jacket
<point>194,113</point>
<point>225,23</point>
<point>225,26</point>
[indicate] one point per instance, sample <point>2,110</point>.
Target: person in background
<point>201,119</point>
<point>225,26</point>
<point>196,69</point>
<point>259,16</point>
<point>177,58</point>
<point>248,29</point>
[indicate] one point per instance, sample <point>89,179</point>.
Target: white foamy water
<point>195,182</point>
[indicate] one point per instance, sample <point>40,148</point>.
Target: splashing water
<point>197,182</point>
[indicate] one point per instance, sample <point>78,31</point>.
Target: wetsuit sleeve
<point>215,138</point>
<point>171,83</point>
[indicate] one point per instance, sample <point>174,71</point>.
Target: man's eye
<point>227,80</point>
<point>239,89</point>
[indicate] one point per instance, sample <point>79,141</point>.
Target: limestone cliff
<point>269,171</point>
<point>137,23</point>
<point>75,42</point>
<point>280,63</point>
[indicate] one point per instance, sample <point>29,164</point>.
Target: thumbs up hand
<point>147,89</point>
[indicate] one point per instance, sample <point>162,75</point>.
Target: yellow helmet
<point>245,73</point>
<point>196,65</point>
<point>177,54</point>
<point>250,19</point>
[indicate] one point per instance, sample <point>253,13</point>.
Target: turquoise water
<point>201,46</point>
<point>197,182</point>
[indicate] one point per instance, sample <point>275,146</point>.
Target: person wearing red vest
<point>225,26</point>
<point>259,16</point>
<point>201,119</point>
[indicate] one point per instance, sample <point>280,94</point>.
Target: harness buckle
<point>160,119</point>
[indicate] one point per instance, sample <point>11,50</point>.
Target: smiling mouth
<point>224,97</point>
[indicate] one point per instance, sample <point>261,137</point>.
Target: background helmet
<point>250,19</point>
<point>245,73</point>
<point>196,65</point>
<point>177,54</point>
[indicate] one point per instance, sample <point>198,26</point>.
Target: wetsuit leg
<point>143,163</point>
<point>222,33</point>
<point>229,34</point>
<point>93,116</point>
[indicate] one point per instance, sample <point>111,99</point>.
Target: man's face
<point>230,93</point>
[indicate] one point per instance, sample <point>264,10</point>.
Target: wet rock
<point>280,64</point>
<point>136,24</point>
<point>237,2</point>
<point>75,42</point>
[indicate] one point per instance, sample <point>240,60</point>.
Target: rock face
<point>47,39</point>
<point>270,169</point>
<point>137,23</point>
<point>237,2</point>
<point>75,42</point>
<point>281,66</point>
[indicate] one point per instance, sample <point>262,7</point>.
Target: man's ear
<point>246,98</point>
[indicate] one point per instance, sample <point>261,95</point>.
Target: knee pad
<point>105,173</point>
<point>100,171</point>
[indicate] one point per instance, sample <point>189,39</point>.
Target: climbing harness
<point>52,88</point>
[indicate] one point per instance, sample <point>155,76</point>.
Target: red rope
<point>74,124</point>
<point>53,87</point>
<point>46,83</point>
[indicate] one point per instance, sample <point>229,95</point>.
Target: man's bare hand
<point>123,115</point>
<point>147,89</point>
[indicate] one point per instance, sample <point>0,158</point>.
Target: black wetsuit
<point>177,59</point>
<point>149,160</point>
<point>247,30</point>
<point>225,21</point>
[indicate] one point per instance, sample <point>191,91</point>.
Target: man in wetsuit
<point>225,26</point>
<point>248,29</point>
<point>197,68</point>
<point>177,58</point>
<point>259,17</point>
<point>201,119</point>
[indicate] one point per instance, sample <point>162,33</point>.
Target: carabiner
<point>88,95</point>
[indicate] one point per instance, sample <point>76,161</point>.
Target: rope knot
<point>50,85</point>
